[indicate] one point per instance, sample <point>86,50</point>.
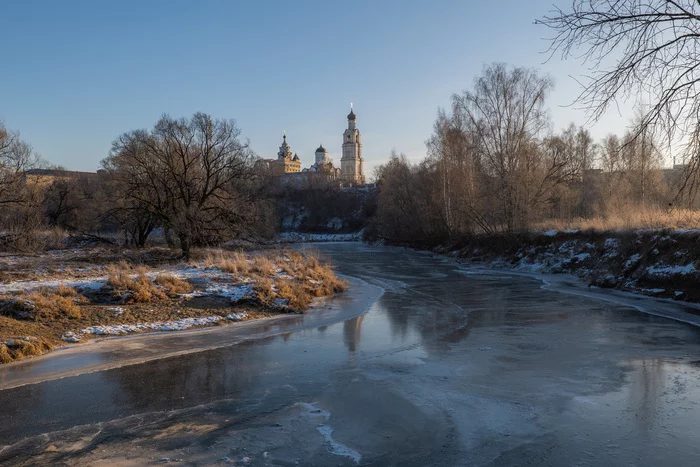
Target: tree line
<point>494,165</point>
<point>194,178</point>
<point>493,162</point>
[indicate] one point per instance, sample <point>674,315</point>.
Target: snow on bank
<point>29,285</point>
<point>179,325</point>
<point>298,237</point>
<point>667,271</point>
<point>654,263</point>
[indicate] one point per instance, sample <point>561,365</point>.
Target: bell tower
<point>351,162</point>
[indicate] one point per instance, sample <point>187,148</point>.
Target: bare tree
<point>190,173</point>
<point>16,157</point>
<point>506,110</point>
<point>645,49</point>
<point>610,153</point>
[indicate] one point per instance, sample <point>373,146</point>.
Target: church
<point>350,172</point>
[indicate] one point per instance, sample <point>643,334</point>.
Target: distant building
<point>350,173</point>
<point>351,164</point>
<point>286,162</point>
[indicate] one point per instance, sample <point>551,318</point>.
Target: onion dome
<point>351,115</point>
<point>321,149</point>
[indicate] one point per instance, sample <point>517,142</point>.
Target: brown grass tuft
<point>125,278</point>
<point>232,263</point>
<point>5,356</point>
<point>264,292</point>
<point>264,266</point>
<point>66,291</point>
<point>119,275</point>
<point>309,277</point>
<point>46,304</point>
<point>296,295</point>
<point>145,291</point>
<point>140,289</point>
<point>17,349</point>
<point>173,285</point>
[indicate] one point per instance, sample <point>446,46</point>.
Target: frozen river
<point>448,366</point>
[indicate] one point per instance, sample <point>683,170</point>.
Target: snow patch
<point>237,316</point>
<point>234,293</point>
<point>178,325</point>
<point>634,259</point>
<point>71,337</point>
<point>665,271</point>
<point>581,256</point>
<point>611,243</point>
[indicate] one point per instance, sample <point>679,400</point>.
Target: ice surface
<point>326,431</point>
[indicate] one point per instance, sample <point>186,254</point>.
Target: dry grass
<point>628,219</point>
<point>173,285</point>
<point>18,349</point>
<point>307,278</point>
<point>133,281</point>
<point>283,280</point>
<point>318,277</point>
<point>145,291</point>
<point>230,262</point>
<point>120,275</point>
<point>45,304</point>
<point>264,292</point>
<point>296,295</point>
<point>288,275</point>
<point>264,265</point>
<point>66,291</point>
<point>138,288</point>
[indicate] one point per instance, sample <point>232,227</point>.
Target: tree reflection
<point>352,330</point>
<point>192,379</point>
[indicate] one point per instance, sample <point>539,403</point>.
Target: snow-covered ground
<point>210,281</point>
<point>179,325</point>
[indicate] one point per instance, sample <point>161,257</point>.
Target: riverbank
<point>77,295</point>
<point>111,352</point>
<point>489,369</point>
<point>657,263</point>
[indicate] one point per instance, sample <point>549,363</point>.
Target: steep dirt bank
<point>659,263</point>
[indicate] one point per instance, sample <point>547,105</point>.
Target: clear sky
<point>76,74</point>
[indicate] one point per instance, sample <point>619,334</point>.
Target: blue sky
<point>76,74</point>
